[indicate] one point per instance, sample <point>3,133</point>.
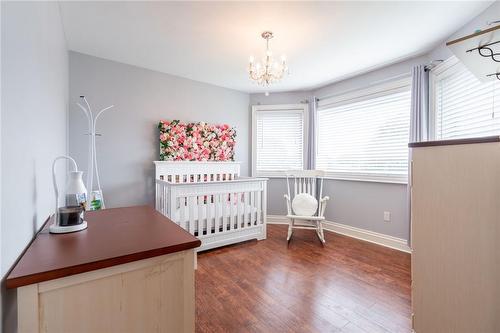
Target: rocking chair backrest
<point>305,181</point>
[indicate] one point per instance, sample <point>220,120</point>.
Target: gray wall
<point>33,128</point>
<point>129,142</point>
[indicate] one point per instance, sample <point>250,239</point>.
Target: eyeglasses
<point>486,51</point>
<point>494,74</point>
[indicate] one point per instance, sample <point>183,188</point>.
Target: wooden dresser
<point>455,211</point>
<point>132,270</point>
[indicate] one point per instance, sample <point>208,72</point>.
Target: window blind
<point>366,138</point>
<point>279,141</point>
<point>464,107</point>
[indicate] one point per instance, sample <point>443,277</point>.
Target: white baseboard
<point>363,234</point>
<point>276,219</point>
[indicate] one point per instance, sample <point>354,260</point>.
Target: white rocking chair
<point>311,182</point>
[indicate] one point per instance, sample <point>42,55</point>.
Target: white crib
<point>211,201</point>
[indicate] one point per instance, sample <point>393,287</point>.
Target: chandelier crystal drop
<point>269,70</point>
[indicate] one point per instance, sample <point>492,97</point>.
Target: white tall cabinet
<point>455,210</point>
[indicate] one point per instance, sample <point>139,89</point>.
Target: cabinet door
<point>455,232</point>
<point>149,295</point>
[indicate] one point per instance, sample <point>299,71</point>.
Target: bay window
<point>363,135</point>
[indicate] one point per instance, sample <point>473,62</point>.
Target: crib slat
<point>199,220</point>
<point>166,201</point>
<point>158,198</point>
<point>222,204</point>
<point>246,210</point>
<point>231,211</point>
<point>243,205</point>
<point>217,203</point>
<point>211,215</point>
<point>252,208</point>
<point>224,207</point>
<point>172,205</point>
<point>163,199</point>
<point>182,208</point>
<point>191,204</point>
<point>239,213</point>
<point>259,204</point>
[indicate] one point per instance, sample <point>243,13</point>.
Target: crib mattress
<point>211,209</point>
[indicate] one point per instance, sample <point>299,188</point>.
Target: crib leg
<point>195,260</point>
<point>290,230</point>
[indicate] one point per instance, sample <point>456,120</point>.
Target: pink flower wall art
<point>196,141</point>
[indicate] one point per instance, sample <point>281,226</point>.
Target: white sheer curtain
<point>419,119</point>
<point>311,158</point>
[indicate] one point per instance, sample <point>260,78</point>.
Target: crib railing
<point>213,210</point>
<point>196,172</point>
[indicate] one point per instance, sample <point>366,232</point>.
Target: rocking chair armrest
<point>322,205</point>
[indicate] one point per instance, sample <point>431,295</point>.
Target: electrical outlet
<point>387,216</point>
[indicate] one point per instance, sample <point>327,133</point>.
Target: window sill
<point>381,180</point>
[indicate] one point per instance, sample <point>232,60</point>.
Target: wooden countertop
<point>485,139</point>
<point>113,237</point>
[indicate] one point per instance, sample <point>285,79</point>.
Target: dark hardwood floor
<point>265,286</point>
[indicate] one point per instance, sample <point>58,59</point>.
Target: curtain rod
<point>427,67</point>
<point>395,77</point>
<point>431,64</point>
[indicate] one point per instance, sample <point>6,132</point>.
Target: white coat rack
<point>92,160</point>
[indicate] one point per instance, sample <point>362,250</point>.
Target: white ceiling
<point>211,41</point>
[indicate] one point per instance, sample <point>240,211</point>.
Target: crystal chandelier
<point>270,70</point>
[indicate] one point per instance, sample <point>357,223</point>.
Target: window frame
<point>304,108</point>
<point>402,83</point>
<point>445,66</point>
